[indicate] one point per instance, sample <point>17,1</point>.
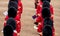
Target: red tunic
<point>14,34</point>
<point>39,8</point>
<point>20,8</point>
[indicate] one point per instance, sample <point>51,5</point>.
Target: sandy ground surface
<point>27,22</point>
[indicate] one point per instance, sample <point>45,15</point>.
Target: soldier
<point>47,22</point>
<point>10,26</point>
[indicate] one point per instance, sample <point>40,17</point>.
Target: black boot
<point>36,23</point>
<point>36,5</point>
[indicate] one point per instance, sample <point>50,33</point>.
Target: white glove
<point>5,13</point>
